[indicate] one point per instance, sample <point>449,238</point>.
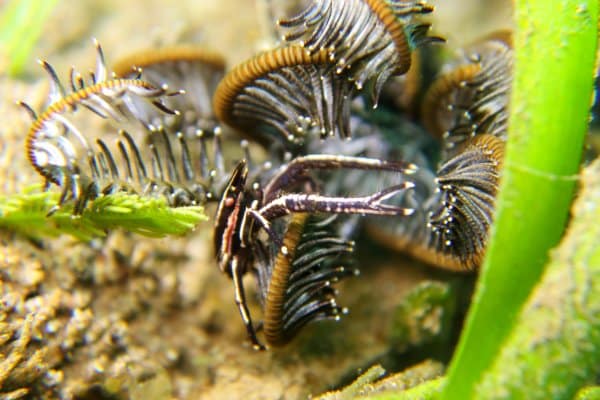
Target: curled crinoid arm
<point>372,39</point>
<point>193,70</point>
<point>468,183</point>
<point>133,157</point>
<point>296,279</point>
<point>56,143</point>
<point>285,92</point>
<point>471,97</point>
<point>450,227</point>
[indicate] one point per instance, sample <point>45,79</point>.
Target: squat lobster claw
<point>242,212</point>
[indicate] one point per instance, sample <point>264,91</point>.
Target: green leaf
<point>554,349</point>
<point>27,213</point>
<point>555,48</point>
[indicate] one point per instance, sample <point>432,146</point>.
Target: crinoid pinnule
<point>368,39</point>
<point>194,70</point>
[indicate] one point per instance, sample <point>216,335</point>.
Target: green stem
<point>555,47</point>
<point>555,348</point>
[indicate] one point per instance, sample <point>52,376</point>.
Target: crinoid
<point>244,212</point>
<point>140,159</point>
<point>471,95</point>
<point>453,203</point>
<point>288,91</point>
<point>367,39</point>
<point>194,70</point>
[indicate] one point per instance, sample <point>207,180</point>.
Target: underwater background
<point>131,317</point>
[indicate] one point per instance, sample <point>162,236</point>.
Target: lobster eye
<point>229,202</point>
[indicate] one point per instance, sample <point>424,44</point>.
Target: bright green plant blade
<point>554,349</point>
<point>27,213</point>
<point>21,24</point>
<point>555,47</point>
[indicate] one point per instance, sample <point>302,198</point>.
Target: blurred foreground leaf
<point>554,349</point>
<point>588,393</point>
<point>21,24</point>
<point>555,50</point>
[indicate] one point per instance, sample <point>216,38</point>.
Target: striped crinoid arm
<point>148,163</point>
<point>285,92</point>
<point>450,226</point>
<point>296,285</point>
<point>195,71</point>
<point>468,184</point>
<point>472,96</point>
<point>133,157</point>
<point>372,39</point>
